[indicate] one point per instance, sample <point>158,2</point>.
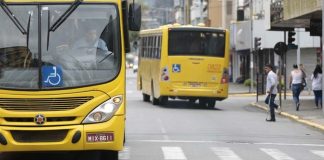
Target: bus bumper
<point>19,142</point>
<point>216,93</point>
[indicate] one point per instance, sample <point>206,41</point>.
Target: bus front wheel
<point>111,155</point>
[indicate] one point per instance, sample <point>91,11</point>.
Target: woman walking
<point>317,85</point>
<point>295,81</point>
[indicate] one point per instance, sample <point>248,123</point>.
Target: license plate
<point>100,137</point>
<point>193,84</point>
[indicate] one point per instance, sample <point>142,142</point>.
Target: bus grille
<point>42,104</point>
<point>48,119</point>
<point>39,136</point>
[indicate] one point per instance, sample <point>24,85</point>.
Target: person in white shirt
<point>317,85</point>
<point>295,83</point>
<point>271,88</point>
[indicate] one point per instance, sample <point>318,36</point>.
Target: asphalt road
<point>233,130</point>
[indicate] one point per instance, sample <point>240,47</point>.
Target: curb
<point>242,94</point>
<point>293,117</point>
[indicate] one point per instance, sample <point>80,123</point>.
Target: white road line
<point>163,130</point>
<point>125,154</point>
<point>319,153</point>
<point>276,154</point>
<point>221,142</point>
<point>173,153</point>
<point>225,153</point>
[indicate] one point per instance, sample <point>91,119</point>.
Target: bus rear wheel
<point>207,102</point>
<point>146,98</point>
<point>163,100</point>
<point>211,103</point>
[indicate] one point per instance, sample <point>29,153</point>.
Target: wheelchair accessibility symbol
<point>176,68</point>
<point>52,76</point>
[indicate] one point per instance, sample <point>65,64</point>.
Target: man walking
<point>271,88</point>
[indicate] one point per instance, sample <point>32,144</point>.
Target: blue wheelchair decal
<point>52,76</point>
<point>176,68</point>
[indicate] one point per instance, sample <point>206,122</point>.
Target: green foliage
<point>247,82</point>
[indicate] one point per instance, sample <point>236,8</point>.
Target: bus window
<point>202,43</point>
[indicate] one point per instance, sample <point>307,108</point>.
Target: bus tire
<point>163,100</point>
<point>111,155</point>
<point>146,98</point>
<point>211,103</point>
<point>202,102</point>
<point>155,101</point>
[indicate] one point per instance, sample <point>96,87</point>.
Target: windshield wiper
<point>12,17</point>
<point>28,28</point>
<point>65,15</point>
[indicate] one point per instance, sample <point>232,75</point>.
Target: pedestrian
<point>317,85</point>
<point>271,89</point>
<point>295,83</point>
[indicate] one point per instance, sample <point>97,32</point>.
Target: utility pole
<point>224,13</point>
<point>251,50</point>
<point>201,11</point>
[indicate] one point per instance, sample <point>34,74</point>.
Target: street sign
<point>280,48</point>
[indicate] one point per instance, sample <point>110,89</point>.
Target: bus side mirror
<point>135,17</point>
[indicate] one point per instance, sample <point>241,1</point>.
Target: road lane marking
<point>163,130</point>
<point>319,153</point>
<point>173,153</point>
<point>225,153</point>
<point>276,154</point>
<point>124,154</point>
<point>224,142</point>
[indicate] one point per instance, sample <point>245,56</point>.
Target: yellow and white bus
<point>186,62</point>
<point>62,74</point>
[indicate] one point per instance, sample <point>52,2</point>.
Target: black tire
<point>109,155</point>
<point>86,155</point>
<point>211,103</point>
<point>202,102</point>
<point>155,101</point>
<point>146,98</point>
<point>163,100</point>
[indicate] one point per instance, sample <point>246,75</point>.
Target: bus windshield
<point>83,50</point>
<point>196,43</point>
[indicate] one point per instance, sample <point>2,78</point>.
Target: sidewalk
<point>308,113</point>
<point>240,89</point>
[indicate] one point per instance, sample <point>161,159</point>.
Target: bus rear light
<point>225,76</point>
<point>165,74</point>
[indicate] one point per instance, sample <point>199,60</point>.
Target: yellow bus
<point>185,62</point>
<point>62,74</point>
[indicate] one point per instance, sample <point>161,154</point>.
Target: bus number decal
<point>176,68</point>
<point>214,68</point>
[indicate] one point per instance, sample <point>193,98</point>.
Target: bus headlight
<point>104,111</point>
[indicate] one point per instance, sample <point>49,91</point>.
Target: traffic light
<point>257,43</point>
<point>291,37</point>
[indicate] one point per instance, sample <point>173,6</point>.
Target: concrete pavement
<point>308,113</point>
